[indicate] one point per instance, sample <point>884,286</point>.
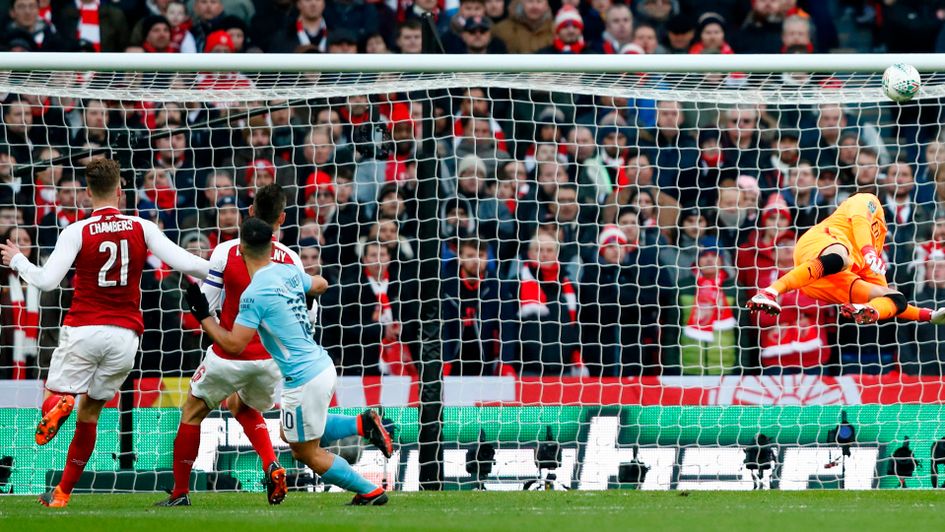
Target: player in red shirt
<point>101,331</point>
<point>248,380</point>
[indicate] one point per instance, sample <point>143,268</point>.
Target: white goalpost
<point>587,230</point>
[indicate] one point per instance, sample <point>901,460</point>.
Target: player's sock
<point>50,402</point>
<point>914,313</point>
<point>186,445</point>
<point>800,276</point>
<point>83,442</point>
<point>338,426</point>
<point>885,306</point>
<point>341,474</point>
<point>255,428</point>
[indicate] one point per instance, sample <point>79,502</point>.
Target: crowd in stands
<point>580,235</point>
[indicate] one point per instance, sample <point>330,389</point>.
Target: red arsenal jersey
<point>108,250</point>
<point>228,272</point>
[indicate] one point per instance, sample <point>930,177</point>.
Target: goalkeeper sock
<point>83,442</point>
<point>338,427</point>
<point>799,277</point>
<point>186,445</point>
<point>914,313</point>
<point>885,306</point>
<point>341,474</point>
<point>255,428</point>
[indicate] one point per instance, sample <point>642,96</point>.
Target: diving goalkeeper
<point>840,261</point>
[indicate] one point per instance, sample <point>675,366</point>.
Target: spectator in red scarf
<point>71,204</point>
<point>756,256</point>
<point>708,342</point>
<point>257,146</point>
<point>540,333</point>
<point>182,40</point>
<point>19,322</point>
<point>471,303</point>
<point>366,311</point>
<point>569,33</point>
<point>710,36</point>
<point>618,30</point>
<point>156,31</point>
<point>308,29</point>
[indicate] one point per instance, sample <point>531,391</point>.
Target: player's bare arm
<point>319,286</point>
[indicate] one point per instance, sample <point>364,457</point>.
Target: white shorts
<point>92,359</point>
<point>217,378</point>
<point>305,409</point>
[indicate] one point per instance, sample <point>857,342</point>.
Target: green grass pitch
<point>492,511</point>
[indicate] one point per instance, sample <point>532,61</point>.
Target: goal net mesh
<point>597,237</point>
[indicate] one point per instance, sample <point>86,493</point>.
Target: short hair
<point>102,176</point>
<point>473,243</point>
<point>269,203</point>
<point>409,24</point>
<point>255,237</point>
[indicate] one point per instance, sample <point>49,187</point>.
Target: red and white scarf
<point>66,218</point>
<point>532,299</point>
<point>88,28</point>
<point>45,13</point>
<point>384,313</point>
<point>711,312</point>
<point>565,48</point>
<point>320,38</point>
<point>25,303</point>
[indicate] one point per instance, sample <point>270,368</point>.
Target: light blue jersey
<point>274,305</point>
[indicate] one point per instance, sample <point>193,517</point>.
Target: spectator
<point>710,37</point>
<point>239,34</point>
<point>575,240</point>
<point>820,143</point>
<point>452,36</point>
<point>613,141</point>
<point>619,303</point>
<point>18,132</point>
<point>906,220</point>
<point>410,37</point>
<point>921,348</point>
<point>308,29</point>
<point>171,154</point>
<point>569,36</point>
<point>471,302</point>
<point>910,26</point>
<point>540,336</point>
<point>618,32</point>
<point>707,344</point>
<point>479,138</point>
<point>354,15</point>
<point>656,12</point>
<point>495,10</point>
<point>25,22</point>
<point>756,256</point>
<point>593,179</point>
<point>477,38</point>
<point>258,148</point>
<point>680,255</point>
<point>680,32</point>
<point>741,143</point>
<point>182,40</point>
<point>94,128</point>
<point>156,32</point>
<point>801,196</point>
<point>372,301</point>
<point>218,185</point>
<point>729,218</point>
<point>646,38</point>
<point>10,217</point>
<point>796,34</point>
<point>101,25</point>
<point>311,256</point>
<point>207,17</point>
<point>528,27</point>
<point>761,32</point>
<point>785,154</point>
<point>674,155</point>
<point>19,323</point>
<point>71,204</point>
<point>228,221</point>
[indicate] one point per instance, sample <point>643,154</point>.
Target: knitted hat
<point>611,234</point>
<point>632,48</point>
<point>469,162</point>
<point>568,14</point>
<point>150,21</point>
<point>219,38</point>
<point>259,165</point>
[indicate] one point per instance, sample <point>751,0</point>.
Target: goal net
<point>538,259</point>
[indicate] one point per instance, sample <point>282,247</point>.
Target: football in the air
<point>901,82</point>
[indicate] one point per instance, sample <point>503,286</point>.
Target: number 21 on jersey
<point>116,253</point>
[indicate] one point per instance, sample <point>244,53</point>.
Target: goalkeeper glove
<point>199,306</point>
<point>874,260</point>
